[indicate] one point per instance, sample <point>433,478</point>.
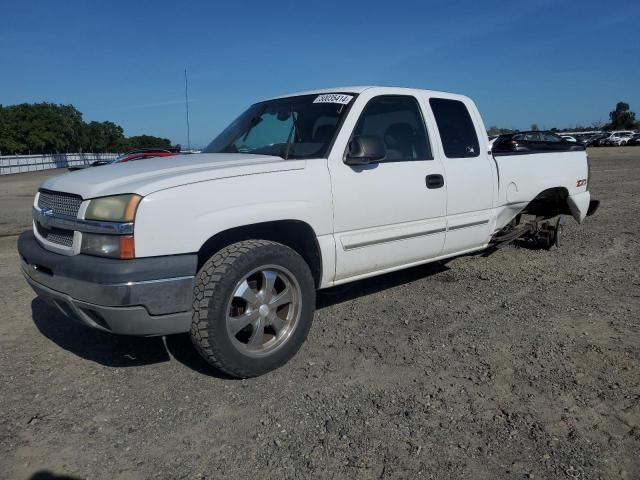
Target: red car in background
<point>138,155</point>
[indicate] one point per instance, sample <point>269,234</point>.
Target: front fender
<point>180,220</point>
<point>212,223</point>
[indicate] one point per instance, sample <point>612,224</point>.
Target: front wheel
<point>253,307</point>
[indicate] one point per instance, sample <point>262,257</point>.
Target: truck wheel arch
<point>549,203</point>
<point>295,234</point>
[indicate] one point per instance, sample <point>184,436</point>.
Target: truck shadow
<point>100,347</point>
<point>120,351</point>
<point>47,475</point>
<point>518,243</point>
<point>117,351</point>
<point>361,288</point>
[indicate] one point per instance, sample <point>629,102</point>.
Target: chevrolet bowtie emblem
<point>45,215</point>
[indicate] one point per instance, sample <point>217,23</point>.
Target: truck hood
<point>150,175</point>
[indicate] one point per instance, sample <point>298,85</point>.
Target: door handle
<point>434,181</point>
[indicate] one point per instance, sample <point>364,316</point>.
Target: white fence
<point>31,163</point>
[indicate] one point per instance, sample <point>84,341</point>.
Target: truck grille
<point>61,203</point>
<point>56,235</point>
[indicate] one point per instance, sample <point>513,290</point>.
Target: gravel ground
<point>521,364</point>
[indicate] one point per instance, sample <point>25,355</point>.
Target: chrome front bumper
<point>143,306</point>
<point>159,297</point>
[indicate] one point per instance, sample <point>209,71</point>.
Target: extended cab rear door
<point>470,173</point>
<point>390,213</point>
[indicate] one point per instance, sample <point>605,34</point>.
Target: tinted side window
<point>397,121</point>
<point>457,131</point>
<point>550,137</point>
<point>531,137</point>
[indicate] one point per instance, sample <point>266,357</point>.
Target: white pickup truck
<point>300,193</point>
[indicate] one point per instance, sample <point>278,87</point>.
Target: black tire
<point>214,288</point>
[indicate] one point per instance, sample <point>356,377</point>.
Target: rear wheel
<point>253,307</point>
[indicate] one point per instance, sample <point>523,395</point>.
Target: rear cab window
<point>457,130</point>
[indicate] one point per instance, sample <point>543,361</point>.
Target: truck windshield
<point>292,127</point>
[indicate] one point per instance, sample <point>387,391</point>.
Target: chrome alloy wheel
<point>264,310</point>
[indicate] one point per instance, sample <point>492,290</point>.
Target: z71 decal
<point>581,183</point>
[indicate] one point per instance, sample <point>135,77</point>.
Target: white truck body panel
<point>382,208</point>
<point>523,177</point>
<point>163,173</point>
<point>368,220</point>
<point>471,189</point>
<point>302,194</point>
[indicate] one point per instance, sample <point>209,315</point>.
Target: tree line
<point>50,128</point>
<point>622,118</point>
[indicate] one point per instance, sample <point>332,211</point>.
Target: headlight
<point>117,208</point>
<point>114,246</point>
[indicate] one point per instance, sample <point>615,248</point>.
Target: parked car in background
<point>584,139</point>
<point>598,139</point>
<point>140,154</point>
<point>620,138</point>
<point>568,138</point>
<point>534,141</point>
<point>592,139</point>
<point>606,141</point>
<point>634,140</point>
<point>595,139</point>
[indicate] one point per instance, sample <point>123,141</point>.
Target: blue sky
<point>555,63</point>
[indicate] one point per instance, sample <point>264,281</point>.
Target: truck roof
<point>360,89</point>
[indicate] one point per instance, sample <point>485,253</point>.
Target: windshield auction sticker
<point>333,98</point>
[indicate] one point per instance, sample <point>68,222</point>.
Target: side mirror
<point>364,149</point>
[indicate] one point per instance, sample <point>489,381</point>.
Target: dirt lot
<point>522,364</point>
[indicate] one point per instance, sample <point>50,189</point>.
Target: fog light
<point>112,246</point>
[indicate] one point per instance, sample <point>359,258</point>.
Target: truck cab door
<point>389,213</point>
<point>470,173</point>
